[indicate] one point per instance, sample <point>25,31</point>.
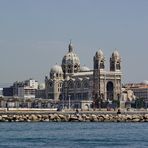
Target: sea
<point>73,135</point>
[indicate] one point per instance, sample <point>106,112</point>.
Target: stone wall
<point>60,117</point>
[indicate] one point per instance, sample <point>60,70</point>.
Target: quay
<point>68,111</point>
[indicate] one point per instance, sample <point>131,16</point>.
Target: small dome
<point>84,69</point>
<point>56,69</point>
<point>145,82</point>
<point>42,86</point>
<point>115,54</point>
<point>99,53</point>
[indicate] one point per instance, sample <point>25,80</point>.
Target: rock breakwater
<point>59,117</point>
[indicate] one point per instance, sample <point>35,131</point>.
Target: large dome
<point>70,61</point>
<point>56,69</point>
<point>71,57</point>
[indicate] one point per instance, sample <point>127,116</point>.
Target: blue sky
<point>34,35</point>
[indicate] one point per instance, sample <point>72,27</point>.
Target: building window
<point>102,65</point>
<point>71,85</point>
<point>78,84</point>
<point>50,84</point>
<point>86,84</point>
<point>118,65</point>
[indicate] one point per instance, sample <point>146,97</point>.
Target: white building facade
<point>26,89</point>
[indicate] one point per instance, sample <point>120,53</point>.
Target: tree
<point>140,103</point>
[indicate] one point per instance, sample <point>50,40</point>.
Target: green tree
<point>140,103</point>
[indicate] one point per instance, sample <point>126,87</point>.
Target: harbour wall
<point>72,117</point>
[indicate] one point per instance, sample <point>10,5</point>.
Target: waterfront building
<point>10,102</point>
<point>27,89</point>
<point>140,90</point>
<point>78,86</point>
<point>26,92</point>
<point>40,92</point>
<point>8,91</point>
<point>24,89</point>
<point>127,98</point>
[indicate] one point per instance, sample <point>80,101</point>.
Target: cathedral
<point>78,85</point>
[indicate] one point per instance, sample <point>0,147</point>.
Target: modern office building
<point>24,89</point>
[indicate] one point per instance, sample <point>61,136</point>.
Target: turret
<point>115,61</point>
<point>99,60</point>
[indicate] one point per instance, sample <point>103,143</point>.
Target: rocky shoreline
<point>59,117</point>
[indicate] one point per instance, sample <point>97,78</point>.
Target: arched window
<point>102,65</point>
<point>71,85</point>
<point>85,84</point>
<point>57,75</point>
<point>75,68</point>
<point>78,84</point>
<point>69,71</point>
<point>110,90</point>
<point>118,65</point>
<point>112,66</point>
<point>50,84</point>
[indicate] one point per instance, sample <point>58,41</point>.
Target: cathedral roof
<point>116,54</point>
<point>71,57</point>
<point>84,69</point>
<point>56,69</point>
<point>100,54</point>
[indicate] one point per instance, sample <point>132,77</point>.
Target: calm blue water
<point>73,135</point>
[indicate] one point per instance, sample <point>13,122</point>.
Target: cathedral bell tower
<point>115,61</point>
<point>99,66</point>
<point>114,86</point>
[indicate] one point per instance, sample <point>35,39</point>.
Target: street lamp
<point>99,98</point>
<point>69,101</point>
<point>63,101</point>
<point>89,100</point>
<point>90,95</point>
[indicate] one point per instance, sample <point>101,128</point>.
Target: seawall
<point>71,117</point>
